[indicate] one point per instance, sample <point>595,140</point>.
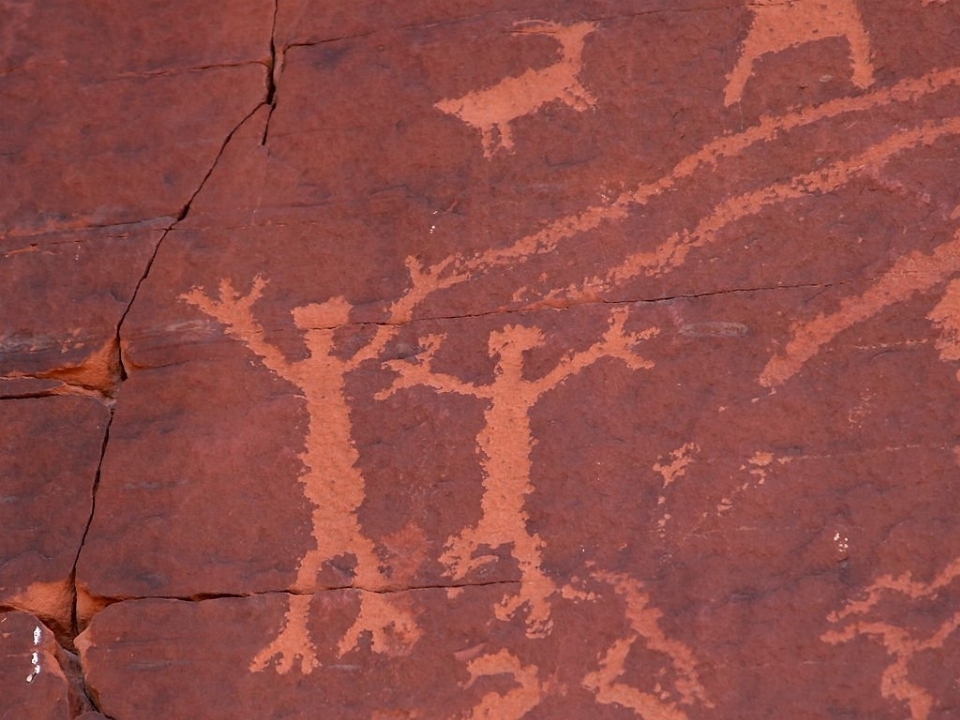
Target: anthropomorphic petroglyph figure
<point>492,109</point>
<point>506,442</point>
<point>867,618</point>
<point>331,481</point>
<point>644,621</point>
<point>781,24</point>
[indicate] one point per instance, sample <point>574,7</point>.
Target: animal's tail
<point>536,26</point>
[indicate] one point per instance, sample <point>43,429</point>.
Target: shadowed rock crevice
<point>99,376</point>
<point>274,69</point>
<point>82,698</point>
<point>46,666</point>
<point>90,605</point>
<point>105,376</point>
<point>75,623</point>
<point>184,211</point>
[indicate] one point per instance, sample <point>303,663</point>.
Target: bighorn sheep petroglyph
<point>492,109</point>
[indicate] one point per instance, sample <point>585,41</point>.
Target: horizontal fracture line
<point>201,597</point>
<point>179,71</point>
<point>546,305</point>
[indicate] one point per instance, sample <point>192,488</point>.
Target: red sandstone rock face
<point>112,111</point>
<point>50,452</point>
<point>54,327</point>
<point>39,679</point>
<point>595,360</point>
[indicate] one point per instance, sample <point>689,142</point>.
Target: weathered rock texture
<point>38,677</point>
<point>461,360</point>
<point>51,450</point>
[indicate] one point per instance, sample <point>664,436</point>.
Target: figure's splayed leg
<point>293,643</point>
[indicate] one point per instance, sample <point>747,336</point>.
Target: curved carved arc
<point>778,25</point>
<point>900,643</point>
<point>911,274</point>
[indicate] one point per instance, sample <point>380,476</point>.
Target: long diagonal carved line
<point>461,268</point>
<point>913,273</point>
<point>547,239</point>
<point>673,252</point>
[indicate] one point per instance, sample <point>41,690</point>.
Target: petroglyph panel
<point>594,361</point>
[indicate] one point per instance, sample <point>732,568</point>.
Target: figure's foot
<point>292,644</point>
<point>458,558</point>
<point>283,660</point>
<point>534,595</point>
<point>393,629</point>
<point>526,694</point>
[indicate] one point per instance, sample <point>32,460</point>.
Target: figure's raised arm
<point>372,350</point>
<point>615,343</point>
<point>416,371</point>
<point>424,281</point>
<point>235,312</point>
<point>620,344</point>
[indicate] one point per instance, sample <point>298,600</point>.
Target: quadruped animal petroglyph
<point>491,110</point>
<point>781,24</point>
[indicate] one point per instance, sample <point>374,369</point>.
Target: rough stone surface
<point>573,360</point>
<point>49,453</point>
<point>38,678</point>
<point>64,297</point>
<point>111,110</point>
